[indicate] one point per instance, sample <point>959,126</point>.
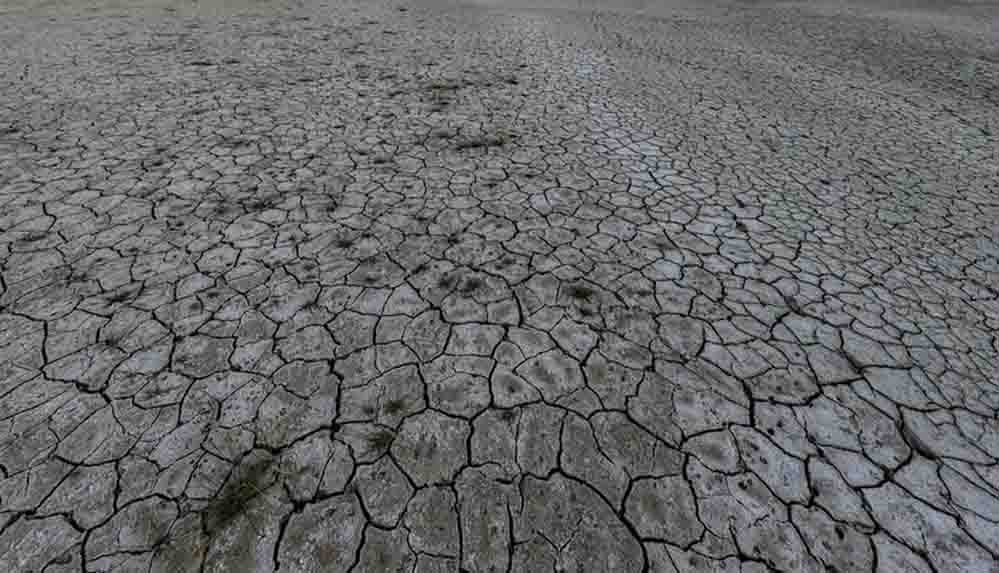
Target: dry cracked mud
<point>490,286</point>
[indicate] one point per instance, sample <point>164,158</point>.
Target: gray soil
<point>492,286</point>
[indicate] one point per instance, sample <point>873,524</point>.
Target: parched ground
<point>499,286</point>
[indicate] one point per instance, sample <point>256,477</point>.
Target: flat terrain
<point>499,286</point>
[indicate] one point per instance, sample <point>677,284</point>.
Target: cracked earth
<point>481,286</point>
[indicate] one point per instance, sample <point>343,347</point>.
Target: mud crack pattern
<point>485,287</point>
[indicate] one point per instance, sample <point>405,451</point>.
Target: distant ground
<point>492,286</point>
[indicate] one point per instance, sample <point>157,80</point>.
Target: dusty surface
<point>476,286</point>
